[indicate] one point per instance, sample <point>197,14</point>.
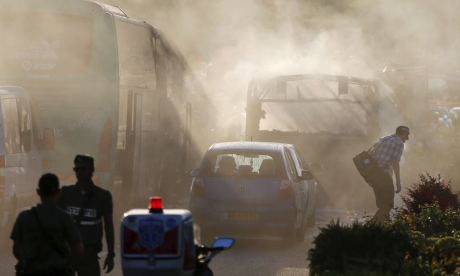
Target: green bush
<point>430,220</point>
<point>437,256</point>
<point>422,239</point>
<point>380,248</point>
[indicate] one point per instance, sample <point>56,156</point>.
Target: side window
<point>302,162</point>
<point>290,163</point>
<point>25,125</point>
<point>11,126</point>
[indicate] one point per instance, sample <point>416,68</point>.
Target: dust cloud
<point>228,42</point>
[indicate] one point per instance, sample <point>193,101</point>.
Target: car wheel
<point>289,237</point>
<point>300,232</point>
<point>311,220</point>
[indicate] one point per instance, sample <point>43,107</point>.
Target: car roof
<point>256,146</point>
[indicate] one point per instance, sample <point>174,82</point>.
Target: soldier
<point>91,208</point>
<point>42,236</point>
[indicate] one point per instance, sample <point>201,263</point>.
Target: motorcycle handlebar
<point>206,250</point>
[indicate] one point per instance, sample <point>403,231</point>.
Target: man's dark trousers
<point>88,264</point>
<point>384,195</point>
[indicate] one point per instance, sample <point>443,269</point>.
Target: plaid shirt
<point>387,148</point>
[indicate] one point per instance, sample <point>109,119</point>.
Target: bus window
<point>10,117</point>
<point>25,127</point>
<point>131,40</point>
<point>137,55</point>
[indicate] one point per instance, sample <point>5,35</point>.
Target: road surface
<point>248,256</point>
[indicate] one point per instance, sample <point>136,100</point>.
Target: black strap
<point>83,208</point>
<point>48,238</point>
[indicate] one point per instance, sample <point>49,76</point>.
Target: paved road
<point>248,257</point>
<point>264,257</point>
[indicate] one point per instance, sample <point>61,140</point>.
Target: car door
<point>290,165</point>
<point>302,184</point>
<point>308,186</point>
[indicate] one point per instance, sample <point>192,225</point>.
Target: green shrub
<point>422,239</point>
<point>380,248</point>
<point>437,256</point>
<point>431,220</point>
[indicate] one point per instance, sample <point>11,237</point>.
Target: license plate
<point>242,216</point>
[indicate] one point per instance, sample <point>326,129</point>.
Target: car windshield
<point>246,164</point>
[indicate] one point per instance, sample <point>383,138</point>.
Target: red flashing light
<point>156,204</point>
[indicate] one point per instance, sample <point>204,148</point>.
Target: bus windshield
<point>45,43</point>
<point>314,106</point>
<point>330,117</point>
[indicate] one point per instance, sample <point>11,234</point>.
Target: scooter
<point>157,241</point>
<point>204,255</point>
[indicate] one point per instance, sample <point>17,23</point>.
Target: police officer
<point>91,207</point>
<point>42,236</point>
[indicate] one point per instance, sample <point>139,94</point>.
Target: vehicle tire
<point>311,220</point>
<point>289,237</point>
<point>300,232</point>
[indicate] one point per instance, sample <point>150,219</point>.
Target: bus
<point>330,119</point>
<point>110,86</point>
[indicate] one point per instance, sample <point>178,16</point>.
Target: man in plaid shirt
<point>388,152</point>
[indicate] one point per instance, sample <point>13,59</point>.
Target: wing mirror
<point>315,168</point>
<point>194,172</point>
<point>306,175</point>
<point>225,243</point>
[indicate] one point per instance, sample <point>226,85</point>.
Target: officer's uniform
<point>39,256</point>
<point>98,203</point>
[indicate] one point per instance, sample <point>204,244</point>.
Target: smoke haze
<point>227,42</point>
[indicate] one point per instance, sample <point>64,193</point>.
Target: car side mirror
<point>306,175</point>
<point>49,138</point>
<point>225,243</point>
<point>315,168</point>
<point>194,172</point>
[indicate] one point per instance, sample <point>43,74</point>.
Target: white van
<point>20,160</point>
